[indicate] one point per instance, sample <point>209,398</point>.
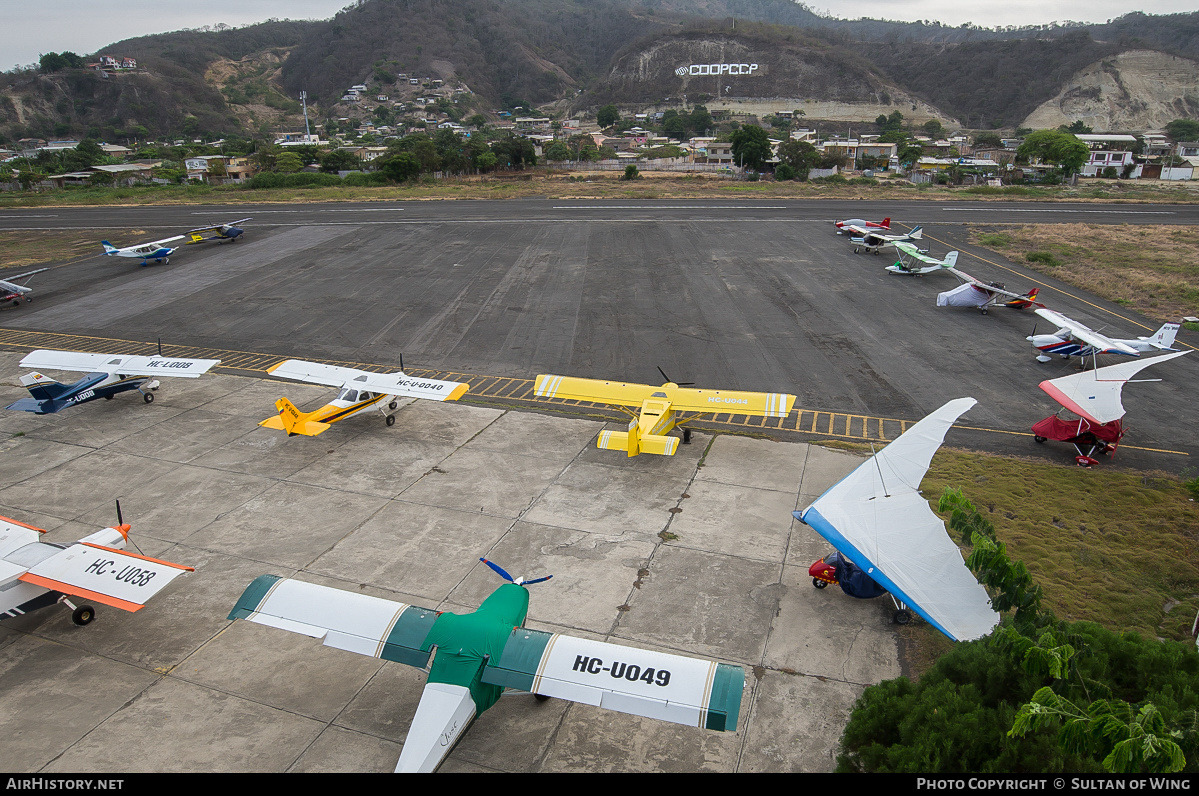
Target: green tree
<point>631,173</point>
<point>700,121</point>
<point>558,151</point>
<point>1183,130</point>
<point>1076,128</point>
<point>751,147</point>
<point>1055,147</point>
<point>400,167</point>
<point>288,163</point>
<point>607,116</point>
<point>339,160</point>
<point>933,128</point>
<point>800,156</point>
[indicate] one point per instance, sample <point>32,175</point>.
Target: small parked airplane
<point>36,574</point>
<point>659,408</point>
<point>360,390</point>
<point>481,653</point>
<point>914,262</point>
<point>107,375</point>
<point>155,250</point>
<point>872,241</point>
<point>861,223</point>
<point>11,291</point>
<point>1074,339</point>
<point>983,295</point>
<point>228,231</point>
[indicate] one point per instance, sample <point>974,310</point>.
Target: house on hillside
<point>219,169</point>
<point>1110,152</point>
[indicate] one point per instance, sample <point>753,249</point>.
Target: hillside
<point>586,53</point>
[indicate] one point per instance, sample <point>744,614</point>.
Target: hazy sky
<point>84,26</point>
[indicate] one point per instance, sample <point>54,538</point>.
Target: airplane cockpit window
<point>365,396</point>
<point>348,395</point>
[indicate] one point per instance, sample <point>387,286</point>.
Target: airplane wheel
<point>903,617</point>
<point>16,302</point>
<point>984,312</point>
<point>876,252</point>
<point>83,615</point>
<point>1039,439</point>
<point>541,697</point>
<point>393,405</point>
<point>148,397</point>
<point>107,397</point>
<point>818,583</point>
<point>391,420</point>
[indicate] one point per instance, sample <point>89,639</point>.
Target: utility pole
<point>304,102</point>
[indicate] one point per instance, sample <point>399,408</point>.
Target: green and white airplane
<point>476,656</point>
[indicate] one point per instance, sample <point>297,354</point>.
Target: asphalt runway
<point>755,295</point>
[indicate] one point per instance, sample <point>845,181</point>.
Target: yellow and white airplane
<point>659,408</point>
<point>360,390</point>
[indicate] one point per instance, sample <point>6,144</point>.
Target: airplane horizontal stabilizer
<point>45,407</point>
<point>293,421</point>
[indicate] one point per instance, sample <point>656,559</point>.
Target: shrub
<point>784,172</point>
<point>631,173</point>
<point>1044,258</point>
<point>361,179</point>
<point>303,179</point>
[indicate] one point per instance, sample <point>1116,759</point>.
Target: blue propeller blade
<point>499,570</point>
<point>537,580</point>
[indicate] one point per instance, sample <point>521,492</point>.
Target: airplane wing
<point>15,534</point>
<point>11,281</point>
<point>386,383</point>
<point>760,404</point>
<point>657,685</point>
<point>1095,394</point>
<point>981,285</point>
<point>44,359</point>
<point>877,516</point>
<point>569,388</point>
<point>1101,343</point>
<point>104,574</point>
<point>215,227</point>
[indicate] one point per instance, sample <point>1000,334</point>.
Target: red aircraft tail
<point>1026,301</point>
<point>886,222</point>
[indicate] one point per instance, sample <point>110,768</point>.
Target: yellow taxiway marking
<point>841,425</point>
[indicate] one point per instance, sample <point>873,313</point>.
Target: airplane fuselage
<point>50,396</point>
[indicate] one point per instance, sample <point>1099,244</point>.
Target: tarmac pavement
<point>694,554</point>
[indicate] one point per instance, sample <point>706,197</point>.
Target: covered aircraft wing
<point>1095,394</point>
<point>657,685</point>
<point>104,574</point>
<point>386,383</point>
<point>345,620</point>
<point>215,227</point>
<point>1101,343</point>
<point>118,363</point>
<point>878,518</point>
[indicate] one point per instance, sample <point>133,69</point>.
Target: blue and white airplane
<point>1075,339</point>
<point>107,375</point>
<point>157,250</point>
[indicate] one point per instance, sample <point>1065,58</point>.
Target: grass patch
<point>1150,268</point>
<point>29,247</point>
<point>1116,548</point>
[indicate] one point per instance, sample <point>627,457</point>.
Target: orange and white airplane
<point>36,574</point>
<point>647,431</point>
<point>359,390</point>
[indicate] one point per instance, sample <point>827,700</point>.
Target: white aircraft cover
<point>113,577</point>
<point>397,383</point>
<point>1095,394</point>
<point>962,296</point>
<point>878,518</point>
<point>45,359</point>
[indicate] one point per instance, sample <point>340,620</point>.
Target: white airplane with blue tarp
<point>218,232</point>
<point>473,657</point>
<point>107,375</point>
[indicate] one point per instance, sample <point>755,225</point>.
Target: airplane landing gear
<point>83,615</point>
<point>391,420</point>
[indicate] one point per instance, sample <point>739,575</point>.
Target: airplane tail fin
<point>917,233</point>
<point>293,421</point>
<point>1024,301</point>
<point>1163,338</point>
<point>635,442</point>
<point>950,260</point>
<point>109,248</point>
<point>42,387</point>
<point>886,222</point>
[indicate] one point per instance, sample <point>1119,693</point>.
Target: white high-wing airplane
<point>914,262</point>
<point>359,390</point>
<point>36,574</point>
<point>157,250</point>
<point>1075,339</point>
<point>873,240</point>
<point>483,652</point>
<point>107,375</point>
<point>11,291</point>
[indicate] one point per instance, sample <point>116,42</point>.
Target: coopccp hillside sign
<point>716,69</point>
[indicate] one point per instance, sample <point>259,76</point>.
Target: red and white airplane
<point>862,223</point>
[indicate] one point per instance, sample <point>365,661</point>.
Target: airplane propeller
<point>124,529</point>
<point>518,581</point>
<point>678,383</point>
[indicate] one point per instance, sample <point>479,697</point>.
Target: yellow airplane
<point>359,390</point>
<point>659,408</point>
